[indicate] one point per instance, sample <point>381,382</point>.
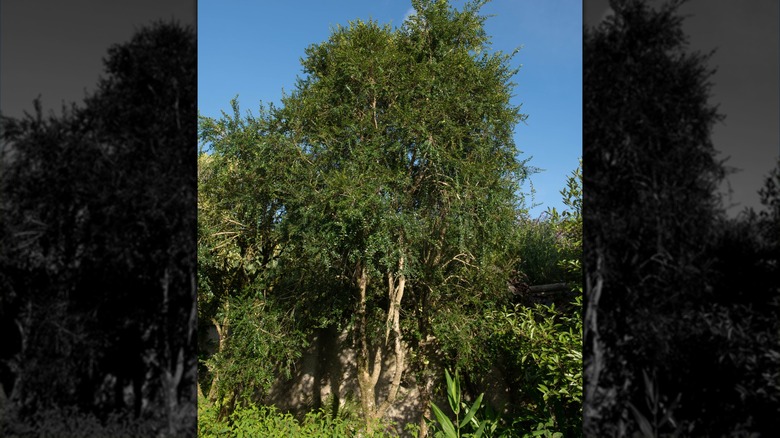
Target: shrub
<point>544,348</point>
<point>69,422</point>
<point>250,420</point>
<point>446,428</point>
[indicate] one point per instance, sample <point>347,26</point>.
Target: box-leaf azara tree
<point>410,189</point>
<point>380,198</point>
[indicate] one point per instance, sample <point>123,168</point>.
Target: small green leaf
<point>453,391</point>
<point>481,429</point>
<point>644,424</point>
<point>445,422</point>
<point>472,411</point>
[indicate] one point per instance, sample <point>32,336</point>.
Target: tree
<point>413,181</point>
<point>540,344</point>
<point>44,247</point>
<point>146,105</point>
<point>100,211</point>
<point>379,198</point>
<point>650,203</point>
<point>245,182</point>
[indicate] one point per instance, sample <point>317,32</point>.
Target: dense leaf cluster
<point>674,287</point>
<point>380,198</point>
<point>98,220</point>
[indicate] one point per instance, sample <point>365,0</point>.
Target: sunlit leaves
<point>394,156</point>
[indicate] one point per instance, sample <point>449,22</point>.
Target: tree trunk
<point>591,332</point>
<point>396,287</point>
<point>170,384</point>
<point>366,379</point>
<point>425,402</point>
<point>173,362</point>
<point>426,377</point>
<point>200,393</point>
<point>222,333</point>
<point>368,373</point>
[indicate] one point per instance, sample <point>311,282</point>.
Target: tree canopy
<point>98,254</point>
<point>659,254</point>
<point>381,198</point>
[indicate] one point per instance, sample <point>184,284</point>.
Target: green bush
<point>539,257</point>
<point>545,347</point>
<point>69,422</point>
<point>257,420</point>
<point>446,428</point>
<point>550,247</point>
<point>542,344</point>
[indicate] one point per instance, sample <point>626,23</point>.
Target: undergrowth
<point>71,423</point>
<point>259,420</point>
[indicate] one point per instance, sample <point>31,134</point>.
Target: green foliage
<point>550,248</point>
<point>393,159</point>
<point>97,228</point>
<point>543,343</point>
<point>262,346</point>
<point>570,224</point>
<point>537,241</point>
<point>69,422</point>
<point>245,181</point>
<point>449,429</point>
<point>546,346</point>
<point>248,421</point>
<point>681,284</point>
<point>244,184</point>
<point>403,168</point>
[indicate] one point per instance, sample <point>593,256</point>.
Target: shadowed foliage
<point>671,283</point>
<point>98,250</point>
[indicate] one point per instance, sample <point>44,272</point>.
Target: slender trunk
<point>425,400</point>
<point>222,333</point>
<point>201,396</point>
<point>396,287</point>
<point>425,383</point>
<point>367,380</point>
<point>425,373</point>
<point>170,383</point>
<point>591,333</point>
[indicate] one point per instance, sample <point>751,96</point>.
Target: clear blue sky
<point>252,49</point>
<point>55,49</point>
<point>745,85</point>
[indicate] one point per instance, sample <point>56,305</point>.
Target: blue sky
<point>55,49</point>
<point>252,49</point>
<point>745,86</point>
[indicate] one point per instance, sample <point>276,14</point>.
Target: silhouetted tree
<point>99,207</point>
<point>649,182</point>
